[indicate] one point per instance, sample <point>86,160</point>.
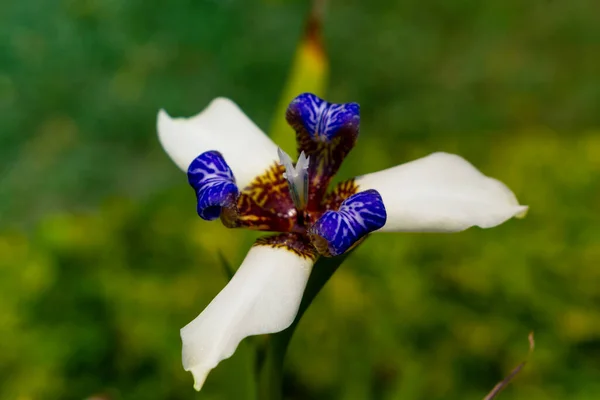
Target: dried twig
<point>502,384</point>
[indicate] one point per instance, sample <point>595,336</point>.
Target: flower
<point>240,176</point>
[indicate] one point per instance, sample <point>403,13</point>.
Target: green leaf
<point>227,269</point>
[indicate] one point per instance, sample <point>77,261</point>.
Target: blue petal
<point>323,120</point>
<point>326,133</point>
<point>214,184</point>
<point>358,215</point>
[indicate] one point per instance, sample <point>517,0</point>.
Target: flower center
<point>292,198</point>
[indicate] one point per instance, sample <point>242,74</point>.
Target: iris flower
<point>241,177</point>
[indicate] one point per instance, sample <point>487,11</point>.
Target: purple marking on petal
<point>326,132</point>
<point>359,214</point>
<point>214,184</point>
<point>323,120</point>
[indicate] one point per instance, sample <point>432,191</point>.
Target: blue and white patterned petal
<point>214,184</point>
<point>323,120</point>
<point>337,231</point>
<point>326,133</point>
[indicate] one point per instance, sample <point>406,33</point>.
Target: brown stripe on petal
<point>333,200</point>
<point>322,245</point>
<point>296,243</point>
<point>270,190</point>
<point>266,203</point>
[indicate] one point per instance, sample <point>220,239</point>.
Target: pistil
<point>297,177</point>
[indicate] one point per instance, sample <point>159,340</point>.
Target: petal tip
<point>522,213</point>
<point>162,113</point>
<point>170,138</point>
<point>321,119</point>
<point>162,119</point>
<point>199,375</point>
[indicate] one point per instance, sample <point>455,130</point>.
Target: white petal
<point>262,297</point>
<point>221,126</point>
<point>441,193</point>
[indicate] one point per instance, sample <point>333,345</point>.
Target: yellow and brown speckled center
<point>266,204</point>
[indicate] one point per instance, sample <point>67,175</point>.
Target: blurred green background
<point>103,258</point>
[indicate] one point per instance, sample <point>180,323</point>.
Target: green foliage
<point>309,72</point>
<point>102,258</point>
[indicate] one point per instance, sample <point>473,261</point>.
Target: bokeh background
<point>103,259</point>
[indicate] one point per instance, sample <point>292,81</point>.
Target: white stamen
<point>297,177</point>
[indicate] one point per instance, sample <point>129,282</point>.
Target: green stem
<point>270,370</point>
